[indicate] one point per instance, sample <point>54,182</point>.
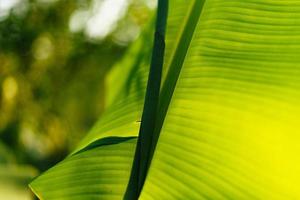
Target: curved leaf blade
<point>97,172</point>
<point>126,87</point>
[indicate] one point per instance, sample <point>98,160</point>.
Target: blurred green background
<point>54,56</point>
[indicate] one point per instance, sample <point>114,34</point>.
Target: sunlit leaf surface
<point>97,172</point>
<point>126,86</point>
<point>228,117</point>
<point>232,128</point>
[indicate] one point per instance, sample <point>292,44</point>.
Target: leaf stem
<point>143,149</point>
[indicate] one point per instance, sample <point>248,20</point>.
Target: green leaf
<point>188,12</point>
<point>126,87</point>
<point>177,39</point>
<point>97,172</point>
<point>232,127</point>
<point>228,113</point>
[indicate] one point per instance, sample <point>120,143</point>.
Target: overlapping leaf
<point>126,87</point>
<point>99,168</point>
<point>232,127</point>
<point>229,108</point>
<point>100,171</point>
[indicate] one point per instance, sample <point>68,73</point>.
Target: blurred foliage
<point>52,79</point>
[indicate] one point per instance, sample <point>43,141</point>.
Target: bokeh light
<point>54,57</point>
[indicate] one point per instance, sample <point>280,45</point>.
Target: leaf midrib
<point>178,55</point>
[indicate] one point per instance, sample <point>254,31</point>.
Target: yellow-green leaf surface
<point>126,87</point>
<point>232,127</point>
<point>96,172</point>
<point>177,11</point>
<point>103,171</point>
<point>126,83</point>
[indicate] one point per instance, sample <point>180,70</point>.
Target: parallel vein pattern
<point>126,87</point>
<point>98,173</point>
<point>187,12</point>
<point>232,128</point>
